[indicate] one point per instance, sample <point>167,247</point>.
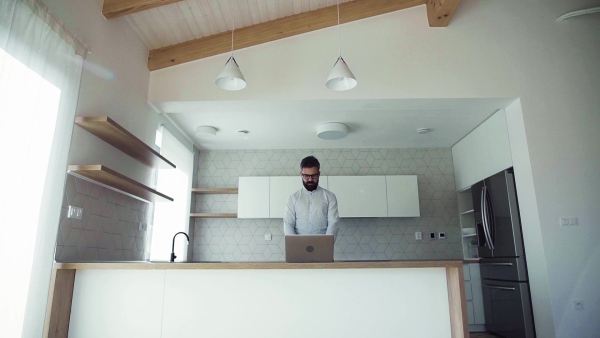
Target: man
<point>311,210</point>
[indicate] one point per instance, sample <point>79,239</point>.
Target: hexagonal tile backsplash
<point>358,238</point>
<point>109,228</point>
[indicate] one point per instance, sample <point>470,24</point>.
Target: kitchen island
<point>340,299</point>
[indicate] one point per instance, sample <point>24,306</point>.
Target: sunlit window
<point>172,217</point>
<point>28,112</point>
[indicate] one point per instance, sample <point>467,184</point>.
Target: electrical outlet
<point>432,235</point>
<point>418,236</point>
<point>75,212</point>
<point>578,305</point>
<point>568,221</point>
<point>442,235</point>
<point>142,226</point>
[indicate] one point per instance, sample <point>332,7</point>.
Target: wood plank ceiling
<point>179,31</point>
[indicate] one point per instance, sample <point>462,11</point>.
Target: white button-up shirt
<point>311,212</point>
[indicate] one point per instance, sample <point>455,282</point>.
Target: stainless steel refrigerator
<point>505,285</point>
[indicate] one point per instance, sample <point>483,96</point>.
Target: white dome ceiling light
<point>206,132</point>
<point>332,131</point>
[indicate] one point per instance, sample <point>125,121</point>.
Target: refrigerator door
<point>507,309</point>
<point>510,269</point>
<point>482,233</point>
<point>506,223</point>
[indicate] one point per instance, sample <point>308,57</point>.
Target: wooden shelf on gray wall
<point>209,215</point>
<point>111,132</point>
<point>116,181</point>
<point>215,190</point>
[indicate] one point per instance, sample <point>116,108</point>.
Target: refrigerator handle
<point>497,264</point>
<point>499,287</point>
<point>484,218</point>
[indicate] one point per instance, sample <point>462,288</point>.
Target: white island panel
<point>117,304</point>
<point>307,303</point>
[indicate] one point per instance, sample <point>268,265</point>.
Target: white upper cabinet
<point>498,143</point>
<point>482,153</point>
<point>253,197</point>
<point>402,196</point>
<point>360,196</point>
<point>281,187</point>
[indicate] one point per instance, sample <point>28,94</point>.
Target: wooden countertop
<point>260,265</point>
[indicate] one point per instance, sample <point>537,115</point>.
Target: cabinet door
<point>281,187</point>
<point>471,158</point>
<point>402,196</point>
<point>360,196</point>
<point>499,145</point>
<point>253,197</point>
<point>478,314</point>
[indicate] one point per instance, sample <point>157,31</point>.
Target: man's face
<point>310,178</point>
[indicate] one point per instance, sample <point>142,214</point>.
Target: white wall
<point>509,48</point>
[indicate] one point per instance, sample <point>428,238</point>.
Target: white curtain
<point>40,70</point>
<point>172,217</point>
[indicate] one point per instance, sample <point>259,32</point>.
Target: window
<point>172,217</point>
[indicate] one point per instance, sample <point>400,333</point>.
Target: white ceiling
<point>193,19</point>
<point>293,124</point>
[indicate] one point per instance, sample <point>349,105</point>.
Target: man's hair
<point>310,162</point>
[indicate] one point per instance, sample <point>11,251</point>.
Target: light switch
<point>268,237</point>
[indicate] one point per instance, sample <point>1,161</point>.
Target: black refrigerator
<point>505,285</point>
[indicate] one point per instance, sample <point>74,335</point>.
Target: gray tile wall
<point>358,238</point>
<point>109,228</point>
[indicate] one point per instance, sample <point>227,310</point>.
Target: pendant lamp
<point>231,78</point>
<point>340,78</point>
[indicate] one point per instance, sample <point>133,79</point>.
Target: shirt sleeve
<point>289,218</point>
<point>333,218</point>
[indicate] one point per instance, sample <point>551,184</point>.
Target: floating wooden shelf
<point>111,132</point>
<point>113,180</point>
<point>215,190</point>
<point>206,215</point>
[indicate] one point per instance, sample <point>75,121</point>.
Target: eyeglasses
<point>313,176</point>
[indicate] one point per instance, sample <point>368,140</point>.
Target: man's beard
<point>311,185</point>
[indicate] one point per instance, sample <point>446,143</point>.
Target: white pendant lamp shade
<point>341,78</point>
<point>332,131</point>
<point>231,78</point>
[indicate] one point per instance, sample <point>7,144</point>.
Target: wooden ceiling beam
<point>440,12</point>
<point>115,8</point>
<point>274,30</point>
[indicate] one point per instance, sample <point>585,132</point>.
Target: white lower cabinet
<point>474,297</point>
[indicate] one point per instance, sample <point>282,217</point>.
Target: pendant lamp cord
<point>339,35</point>
<point>233,28</point>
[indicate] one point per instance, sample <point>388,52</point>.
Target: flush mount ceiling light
<point>340,78</point>
<point>243,134</point>
<point>332,131</point>
<point>423,130</point>
<point>206,132</point>
<point>231,78</point>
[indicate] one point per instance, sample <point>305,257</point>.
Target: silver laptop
<point>308,248</point>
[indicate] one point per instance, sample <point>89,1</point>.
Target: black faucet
<point>173,246</point>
